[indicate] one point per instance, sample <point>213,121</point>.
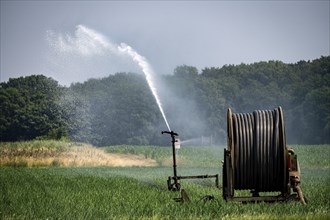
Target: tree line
<point>120,109</point>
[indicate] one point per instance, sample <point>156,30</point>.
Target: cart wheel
<point>295,198</point>
<point>176,187</point>
<point>169,185</point>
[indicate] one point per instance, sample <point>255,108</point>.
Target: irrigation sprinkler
<point>257,158</point>
<point>173,181</point>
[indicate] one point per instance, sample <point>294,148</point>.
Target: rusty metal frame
<point>175,185</point>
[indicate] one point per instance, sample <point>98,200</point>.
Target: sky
<point>50,37</point>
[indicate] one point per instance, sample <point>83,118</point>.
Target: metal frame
<point>175,185</point>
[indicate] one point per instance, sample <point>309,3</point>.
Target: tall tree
<point>29,108</point>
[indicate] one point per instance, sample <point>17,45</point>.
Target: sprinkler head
<point>172,133</point>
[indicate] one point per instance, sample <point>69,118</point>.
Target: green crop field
<point>55,191</point>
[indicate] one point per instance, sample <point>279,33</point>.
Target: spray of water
<point>148,72</point>
<point>84,42</point>
<point>191,141</point>
<point>87,42</point>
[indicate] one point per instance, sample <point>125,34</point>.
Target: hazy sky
<point>167,33</point>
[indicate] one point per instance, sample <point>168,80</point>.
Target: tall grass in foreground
<point>141,192</point>
<point>104,193</point>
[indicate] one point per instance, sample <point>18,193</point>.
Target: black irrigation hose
<point>259,151</point>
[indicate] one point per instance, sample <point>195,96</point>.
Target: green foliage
<point>55,134</point>
<point>302,89</point>
<point>120,109</point>
<point>29,108</point>
<point>185,71</point>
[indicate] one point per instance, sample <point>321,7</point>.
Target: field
<point>35,188</point>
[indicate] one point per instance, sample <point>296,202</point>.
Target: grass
<point>41,153</point>
<point>31,153</point>
<point>141,192</point>
<point>187,156</point>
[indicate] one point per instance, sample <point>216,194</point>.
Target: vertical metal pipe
<point>174,162</point>
<point>175,177</point>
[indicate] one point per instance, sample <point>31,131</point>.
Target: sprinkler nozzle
<point>170,132</point>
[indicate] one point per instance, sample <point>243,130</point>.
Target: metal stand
<point>175,185</point>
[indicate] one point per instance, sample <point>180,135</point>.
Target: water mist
<point>88,43</point>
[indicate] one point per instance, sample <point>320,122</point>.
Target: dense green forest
<point>120,109</point>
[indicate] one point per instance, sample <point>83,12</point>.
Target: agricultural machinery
<point>256,161</point>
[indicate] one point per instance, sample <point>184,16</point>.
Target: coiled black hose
<point>258,154</point>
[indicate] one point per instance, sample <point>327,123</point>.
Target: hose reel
<point>257,158</point>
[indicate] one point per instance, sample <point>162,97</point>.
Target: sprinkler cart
<point>256,159</point>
